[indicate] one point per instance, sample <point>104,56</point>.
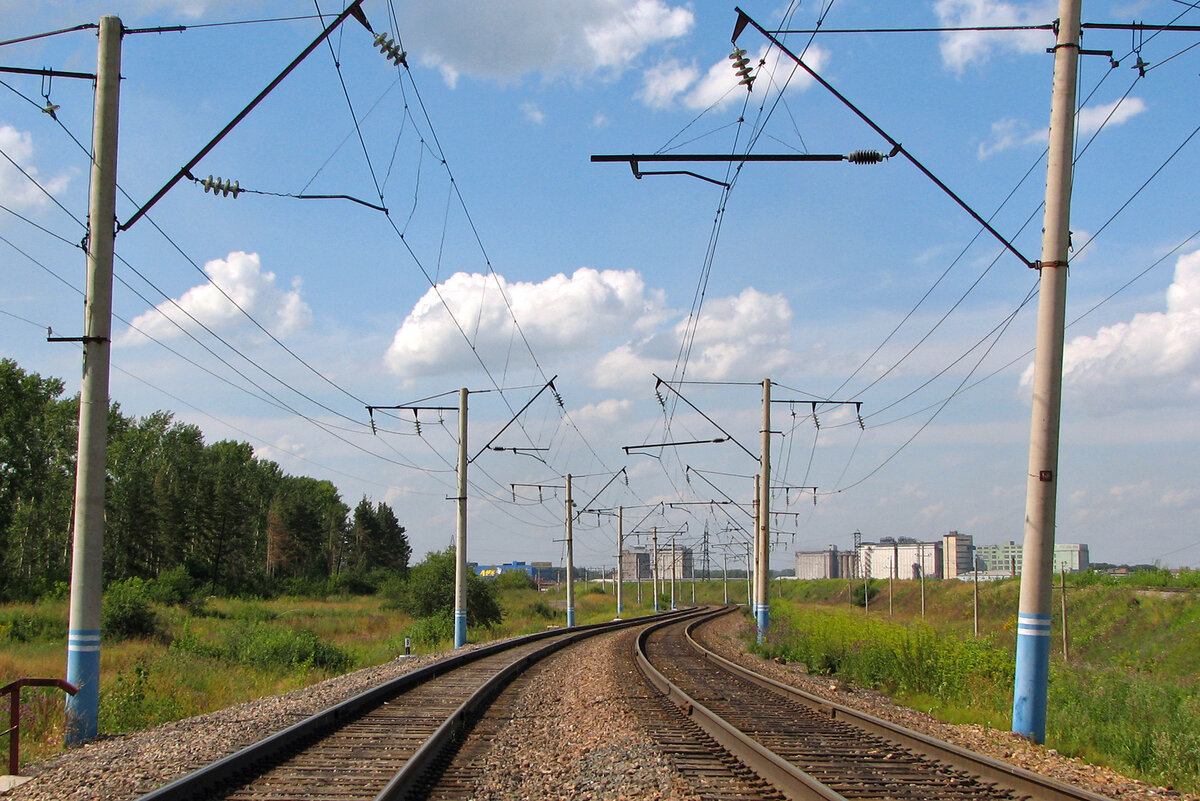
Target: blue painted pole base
<point>1031,683</point>
<point>762,613</point>
<point>83,670</point>
<point>460,628</point>
<point>570,617</point>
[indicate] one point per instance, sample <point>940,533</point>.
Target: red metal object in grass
<point>13,689</point>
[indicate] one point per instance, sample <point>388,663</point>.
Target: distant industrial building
<point>1007,558</point>
<point>635,564</point>
<point>900,558</point>
<point>817,564</point>
<point>958,555</point>
<point>682,563</point>
<point>538,571</point>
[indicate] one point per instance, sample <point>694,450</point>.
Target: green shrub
<point>36,625</point>
<point>269,647</point>
<point>174,586</point>
<point>513,580</point>
<point>540,608</point>
<point>431,631</point>
<point>125,611</point>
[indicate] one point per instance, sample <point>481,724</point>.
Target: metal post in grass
<point>1066,642</point>
<point>976,600</point>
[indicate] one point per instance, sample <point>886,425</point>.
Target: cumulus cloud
<point>505,41</point>
<point>962,48</point>
<point>671,82</point>
<point>1009,133</point>
<point>558,314</point>
<point>1152,360</point>
<point>604,413</point>
<point>241,277</point>
<point>1114,113</point>
<point>16,189</point>
<point>749,331</point>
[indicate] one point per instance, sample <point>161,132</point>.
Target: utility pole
<point>762,603</point>
<point>673,573</point>
<point>725,576</point>
<point>620,557</point>
<point>654,566</point>
<point>570,557</point>
<point>83,628</point>
<point>460,539</point>
<point>1031,684</point>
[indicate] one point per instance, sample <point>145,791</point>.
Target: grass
<point>219,652</point>
<point>1128,696</point>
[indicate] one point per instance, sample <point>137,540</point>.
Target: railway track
<point>380,744</point>
<point>809,748</point>
<point>729,733</point>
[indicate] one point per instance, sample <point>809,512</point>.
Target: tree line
<point>236,523</point>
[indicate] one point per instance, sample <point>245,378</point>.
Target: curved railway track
<point>809,748</point>
<point>730,733</point>
<point>380,744</point>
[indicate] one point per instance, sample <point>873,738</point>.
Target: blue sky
<point>507,258</point>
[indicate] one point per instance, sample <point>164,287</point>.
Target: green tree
<point>306,520</point>
<point>376,541</point>
<point>429,591</point>
<point>37,477</point>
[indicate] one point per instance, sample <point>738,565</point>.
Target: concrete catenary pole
<point>570,557</point>
<point>1033,615</point>
<point>749,573</point>
<point>620,557</point>
<point>762,603</point>
<point>460,539</point>
<point>654,566</point>
<point>673,573</point>
<point>725,576</point>
<point>83,627</point>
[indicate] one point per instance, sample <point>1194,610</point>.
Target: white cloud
<point>962,48</point>
<point>559,314</point>
<point>505,41</point>
<point>17,190</point>
<point>747,332</point>
<point>1152,360</point>
<point>664,82</point>
<point>240,275</point>
<point>672,82</point>
<point>1114,113</point>
<point>533,113</point>
<point>1009,133</point>
<point>606,412</point>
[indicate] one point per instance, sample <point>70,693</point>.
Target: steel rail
<point>1001,773</point>
<point>414,771</point>
<point>249,761</point>
<point>786,777</point>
